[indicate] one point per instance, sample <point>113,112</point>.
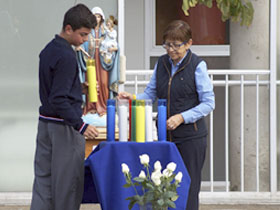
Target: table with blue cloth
<point>104,179</point>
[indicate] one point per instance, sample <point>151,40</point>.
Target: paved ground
<point>202,207</point>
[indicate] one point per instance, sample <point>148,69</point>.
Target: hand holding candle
<point>91,78</point>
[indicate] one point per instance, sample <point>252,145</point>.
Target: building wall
<point>250,50</point>
<point>26,27</point>
<point>134,34</point>
<point>278,91</point>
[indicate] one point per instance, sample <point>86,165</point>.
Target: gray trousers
<point>58,168</point>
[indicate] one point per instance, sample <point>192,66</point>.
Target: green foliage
<point>160,196</point>
<point>237,10</point>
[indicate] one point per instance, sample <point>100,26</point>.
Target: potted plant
<point>155,191</point>
<point>207,18</point>
<point>236,10</point>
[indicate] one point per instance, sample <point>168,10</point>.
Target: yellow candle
<point>91,78</point>
<point>140,121</point>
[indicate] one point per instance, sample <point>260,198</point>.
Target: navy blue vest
<point>181,95</point>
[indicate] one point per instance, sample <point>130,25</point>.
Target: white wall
<point>26,27</point>
<point>134,34</point>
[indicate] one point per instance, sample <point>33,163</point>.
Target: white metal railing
<point>227,82</point>
<point>230,78</point>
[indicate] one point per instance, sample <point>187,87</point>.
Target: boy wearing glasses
<point>181,77</point>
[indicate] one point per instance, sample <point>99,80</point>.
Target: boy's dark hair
<point>177,30</point>
<point>79,16</point>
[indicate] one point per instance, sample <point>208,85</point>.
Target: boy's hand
<point>85,88</point>
<point>91,132</point>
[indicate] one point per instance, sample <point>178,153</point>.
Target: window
<point>158,13</point>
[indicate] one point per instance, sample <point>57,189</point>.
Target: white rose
<point>156,175</point>
<point>171,166</point>
<point>142,175</point>
<point>144,159</point>
<point>157,166</point>
<point>179,176</point>
<point>125,168</point>
<point>166,173</point>
<point>157,182</point>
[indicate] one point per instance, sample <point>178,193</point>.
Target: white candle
<point>149,121</point>
<point>123,125</point>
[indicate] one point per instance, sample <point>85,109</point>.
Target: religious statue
<point>101,46</point>
<point>109,44</point>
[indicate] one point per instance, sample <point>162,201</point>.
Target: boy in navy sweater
<point>60,145</point>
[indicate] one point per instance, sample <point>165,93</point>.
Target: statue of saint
<point>101,46</point>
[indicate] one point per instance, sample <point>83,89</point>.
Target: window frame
<point>151,49</point>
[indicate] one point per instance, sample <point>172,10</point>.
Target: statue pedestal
<point>102,137</point>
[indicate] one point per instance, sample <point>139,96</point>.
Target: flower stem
<point>131,182</point>
<point>148,172</point>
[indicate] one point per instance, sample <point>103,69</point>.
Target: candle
<point>133,121</point>
<point>122,113</point>
<point>91,79</point>
<point>149,121</point>
<point>140,121</point>
<point>111,120</point>
<point>162,119</point>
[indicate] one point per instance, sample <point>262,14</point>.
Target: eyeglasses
<point>174,46</point>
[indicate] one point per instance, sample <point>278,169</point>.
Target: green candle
<point>133,121</point>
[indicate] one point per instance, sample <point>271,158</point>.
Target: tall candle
<point>149,120</point>
<point>91,79</point>
<point>133,121</point>
<point>111,119</point>
<point>122,113</point>
<point>140,121</point>
<point>162,119</point>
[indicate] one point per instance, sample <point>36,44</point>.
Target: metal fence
<point>246,100</point>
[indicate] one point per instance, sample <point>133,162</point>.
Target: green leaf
<point>175,198</point>
<point>149,186</point>
<point>192,3</point>
<point>132,198</point>
<point>131,204</point>
<point>160,202</point>
<point>138,179</point>
<point>171,204</point>
<point>127,185</point>
<point>209,3</point>
<point>170,194</point>
<point>186,7</point>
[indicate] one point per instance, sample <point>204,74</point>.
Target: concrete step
<point>202,207</point>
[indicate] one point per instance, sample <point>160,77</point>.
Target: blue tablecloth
<point>104,179</point>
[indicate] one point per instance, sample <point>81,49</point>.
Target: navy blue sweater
<point>60,87</point>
